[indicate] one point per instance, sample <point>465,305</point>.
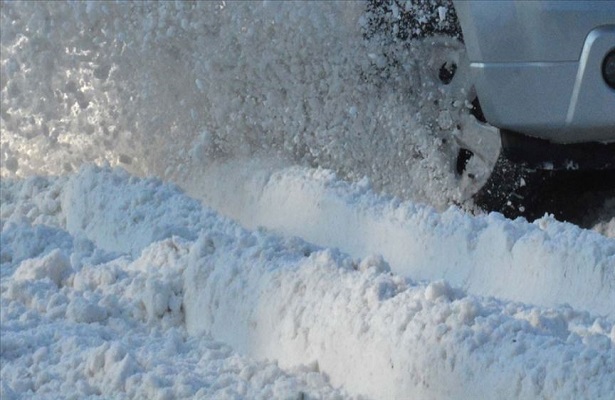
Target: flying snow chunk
<point>55,266</point>
<point>442,13</point>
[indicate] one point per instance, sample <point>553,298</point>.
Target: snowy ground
<point>311,248</point>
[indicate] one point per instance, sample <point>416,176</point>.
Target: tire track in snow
<point>547,262</point>
<point>373,332</point>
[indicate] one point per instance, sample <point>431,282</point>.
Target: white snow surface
<point>93,281</point>
<point>266,259</point>
<point>119,286</point>
<point>547,262</point>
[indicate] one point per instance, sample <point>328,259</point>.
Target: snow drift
<point>370,331</point>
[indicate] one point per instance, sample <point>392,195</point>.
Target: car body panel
<point>536,66</point>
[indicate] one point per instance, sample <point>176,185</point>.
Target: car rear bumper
<point>537,66</point>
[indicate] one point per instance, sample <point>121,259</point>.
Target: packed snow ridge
<point>547,262</point>
<point>130,274</point>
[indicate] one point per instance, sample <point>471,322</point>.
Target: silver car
<point>544,72</point>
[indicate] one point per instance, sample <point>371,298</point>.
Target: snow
<point>167,89</point>
<point>242,200</point>
<point>547,262</point>
<point>127,302</point>
<point>82,316</point>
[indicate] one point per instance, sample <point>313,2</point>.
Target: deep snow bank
<point>371,331</point>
